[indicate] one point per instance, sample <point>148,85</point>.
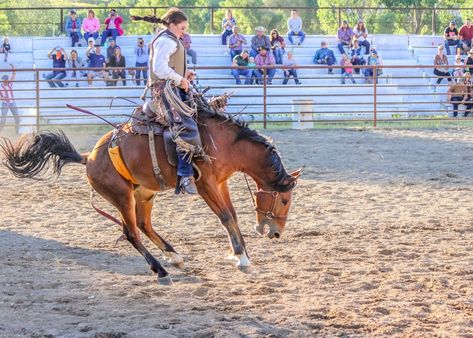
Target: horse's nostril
<point>276,234</point>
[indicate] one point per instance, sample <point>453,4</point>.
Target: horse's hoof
<point>165,280</point>
<point>244,268</point>
<point>179,265</point>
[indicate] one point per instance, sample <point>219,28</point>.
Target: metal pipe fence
<point>392,94</point>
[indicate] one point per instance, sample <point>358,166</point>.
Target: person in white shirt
<point>294,26</point>
<point>361,34</point>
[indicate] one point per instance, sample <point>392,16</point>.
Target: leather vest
<point>177,60</point>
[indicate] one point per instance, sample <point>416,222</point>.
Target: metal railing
<point>395,94</point>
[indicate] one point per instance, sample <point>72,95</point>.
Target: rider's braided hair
<point>173,15</point>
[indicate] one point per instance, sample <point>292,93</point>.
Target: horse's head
<point>272,208</point>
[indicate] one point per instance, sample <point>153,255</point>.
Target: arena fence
<point>395,95</point>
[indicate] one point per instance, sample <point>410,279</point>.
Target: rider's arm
<point>166,48</point>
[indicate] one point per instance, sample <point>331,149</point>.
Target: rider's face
<point>178,29</point>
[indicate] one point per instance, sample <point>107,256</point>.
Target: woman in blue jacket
<point>73,27</point>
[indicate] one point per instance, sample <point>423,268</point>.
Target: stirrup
<point>188,186</point>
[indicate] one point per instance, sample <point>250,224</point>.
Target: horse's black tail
<point>28,159</point>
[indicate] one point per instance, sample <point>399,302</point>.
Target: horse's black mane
<point>282,181</point>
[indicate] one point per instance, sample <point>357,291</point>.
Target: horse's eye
<point>284,202</point>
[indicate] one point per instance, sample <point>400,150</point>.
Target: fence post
<point>61,29</point>
<point>211,20</point>
<point>375,103</point>
<point>339,17</point>
<point>433,21</point>
<point>265,112</point>
<point>37,99</point>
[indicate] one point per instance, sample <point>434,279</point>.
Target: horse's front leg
<point>218,199</point>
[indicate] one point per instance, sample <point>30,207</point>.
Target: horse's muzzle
<point>264,228</point>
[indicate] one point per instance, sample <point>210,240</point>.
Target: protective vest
<point>177,60</point>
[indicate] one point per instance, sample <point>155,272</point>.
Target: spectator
<point>236,42</point>
<point>361,34</point>
<point>345,35</point>
<point>73,26</point>
<point>59,57</point>
<point>459,70</point>
<point>466,35</point>
<point>119,63</point>
<point>347,69</point>
<point>242,61</point>
<point>228,23</point>
<point>90,46</point>
<point>469,61</point>
<point>112,45</point>
<point>325,56</point>
<point>264,59</point>
<point>258,41</point>
<point>8,101</point>
<point>187,41</point>
<point>112,26</point>
<point>289,69</point>
<point>74,65</point>
<point>356,55</point>
<point>469,94</point>
<point>294,26</point>
<point>91,26</point>
<point>96,60</point>
<point>142,57</point>
<point>458,94</point>
<point>5,48</point>
<point>441,65</point>
<point>451,38</point>
<point>252,67</point>
<point>277,46</point>
<point>373,60</point>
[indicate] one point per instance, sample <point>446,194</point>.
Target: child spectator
<point>90,46</point>
<point>347,69</point>
<point>187,41</point>
<point>459,70</point>
<point>5,48</point>
<point>373,60</point>
<point>242,61</point>
<point>74,65</point>
<point>112,26</point>
<point>112,45</point>
<point>228,23</point>
<point>258,41</point>
<point>345,35</point>
<point>96,60</point>
<point>73,27</point>
<point>294,26</point>
<point>118,61</point>
<point>142,57</point>
<point>59,57</point>
<point>361,34</point>
<point>289,69</point>
<point>8,101</point>
<point>277,46</point>
<point>264,59</point>
<point>236,42</point>
<point>325,56</point>
<point>91,26</point>
<point>356,55</point>
<point>469,61</point>
<point>441,65</point>
<point>451,38</point>
<point>252,67</point>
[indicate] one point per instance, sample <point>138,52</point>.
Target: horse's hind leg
<point>144,204</point>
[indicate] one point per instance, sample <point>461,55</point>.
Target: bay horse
<point>232,146</point>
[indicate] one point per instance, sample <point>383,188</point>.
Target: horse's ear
<point>296,173</point>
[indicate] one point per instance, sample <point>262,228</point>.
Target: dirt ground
<point>378,243</point>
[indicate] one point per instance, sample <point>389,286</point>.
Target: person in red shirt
<point>466,35</point>
<point>8,101</point>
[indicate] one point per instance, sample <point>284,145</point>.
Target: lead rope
<point>249,190</point>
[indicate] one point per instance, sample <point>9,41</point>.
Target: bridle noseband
<point>270,213</point>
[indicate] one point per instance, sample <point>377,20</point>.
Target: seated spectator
<point>252,67</point>
<point>458,93</point>
<point>112,45</point>
<point>325,56</point>
<point>8,101</point>
<point>73,27</point>
<point>242,61</point>
<point>258,41</point>
<point>356,55</point>
<point>96,60</point>
<point>277,46</point>
<point>5,48</point>
<point>91,26</point>
<point>236,42</point>
<point>112,26</point>
<point>59,57</point>
<point>289,69</point>
<point>361,35</point>
<point>469,61</point>
<point>228,23</point>
<point>466,36</point>
<point>373,60</point>
<point>90,46</point>
<point>345,36</point>
<point>142,57</point>
<point>347,69</point>
<point>451,38</point>
<point>459,70</point>
<point>441,66</point>
<point>264,58</point>
<point>74,66</point>
<point>187,41</point>
<point>118,62</point>
<point>294,26</point>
